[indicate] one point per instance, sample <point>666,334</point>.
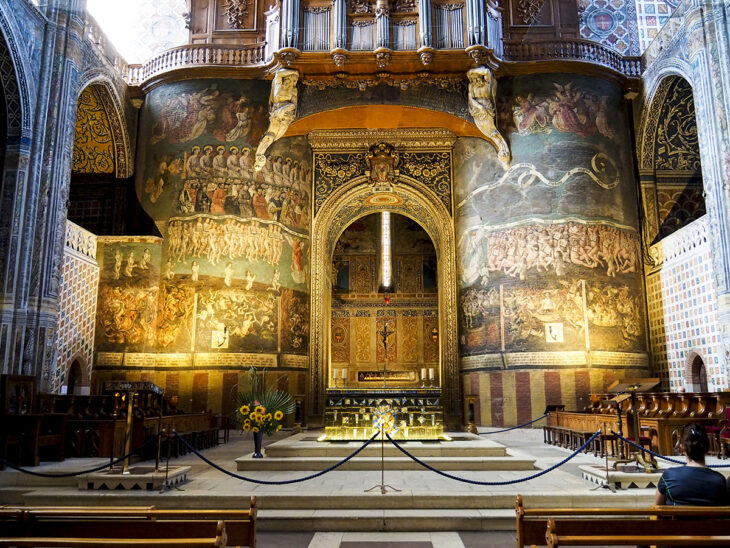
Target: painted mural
<point>129,277</point>
<point>549,248</point>
<point>231,274</point>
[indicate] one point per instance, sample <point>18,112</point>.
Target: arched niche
<point>695,374</point>
<point>348,203</point>
<point>669,160</point>
<point>101,145</point>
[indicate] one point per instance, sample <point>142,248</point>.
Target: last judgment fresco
<point>549,248</point>
<point>231,272</point>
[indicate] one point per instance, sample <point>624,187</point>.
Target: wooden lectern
<point>624,390</point>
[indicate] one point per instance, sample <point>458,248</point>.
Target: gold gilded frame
<point>414,200</point>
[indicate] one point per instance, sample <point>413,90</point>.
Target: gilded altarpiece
<point>344,193</point>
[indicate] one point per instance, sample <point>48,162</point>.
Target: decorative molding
<point>676,246</point>
<point>362,84</point>
<point>80,240</point>
<point>362,139</point>
<point>529,10</point>
<point>236,12</point>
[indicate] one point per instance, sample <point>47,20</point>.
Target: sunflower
<point>247,426</point>
<point>268,416</point>
<point>278,428</point>
<point>260,409</point>
<point>278,415</point>
<point>255,429</point>
<point>244,410</point>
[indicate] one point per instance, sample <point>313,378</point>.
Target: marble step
<point>270,464</point>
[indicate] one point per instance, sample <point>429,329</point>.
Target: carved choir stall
<point>661,416</point>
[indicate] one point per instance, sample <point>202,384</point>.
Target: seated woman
<point>693,484</point>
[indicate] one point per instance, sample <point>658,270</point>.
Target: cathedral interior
<point>498,206</point>
<point>431,219</point>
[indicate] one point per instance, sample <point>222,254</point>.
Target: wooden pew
<point>622,526</point>
<point>114,532</point>
<point>240,523</point>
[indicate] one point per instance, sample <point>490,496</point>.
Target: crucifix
<point>385,332</point>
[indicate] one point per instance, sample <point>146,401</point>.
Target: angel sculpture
<point>282,110</point>
<point>482,107</point>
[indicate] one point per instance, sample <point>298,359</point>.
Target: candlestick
<point>431,374</point>
<point>344,376</point>
<point>423,377</point>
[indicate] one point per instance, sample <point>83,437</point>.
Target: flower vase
<point>258,439</point>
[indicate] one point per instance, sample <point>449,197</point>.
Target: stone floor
<point>333,509</point>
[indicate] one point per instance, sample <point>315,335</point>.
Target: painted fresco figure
<point>275,285</point>
<point>169,274</point>
<point>249,277</point>
<point>260,205</point>
<point>145,261</point>
<point>117,264</point>
<point>245,202</point>
<point>195,271</point>
<point>129,269</point>
<point>202,200</point>
<point>282,111</point>
<point>219,199</point>
<point>228,274</point>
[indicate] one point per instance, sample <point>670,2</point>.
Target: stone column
<point>709,55</point>
<point>30,307</point>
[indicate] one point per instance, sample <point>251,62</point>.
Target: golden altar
<point>349,413</point>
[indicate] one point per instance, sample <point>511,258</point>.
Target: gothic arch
<point>349,202</point>
<point>117,123</point>
<point>14,76</point>
<point>695,372</point>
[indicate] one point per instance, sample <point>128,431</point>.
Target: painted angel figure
<point>282,110</point>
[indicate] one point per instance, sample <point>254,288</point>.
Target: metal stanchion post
<point>471,427</point>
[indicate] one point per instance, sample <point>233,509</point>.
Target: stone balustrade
<point>80,240</point>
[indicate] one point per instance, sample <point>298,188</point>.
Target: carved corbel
<point>282,111</point>
<point>426,55</point>
<point>339,56</point>
<point>382,57</point>
<point>483,108</point>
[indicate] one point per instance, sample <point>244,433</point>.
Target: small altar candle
<point>344,375</point>
<point>431,373</point>
<point>423,374</point>
<point>335,372</point>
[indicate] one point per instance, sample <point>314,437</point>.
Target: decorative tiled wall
<point>611,23</point>
<point>683,307</point>
<point>77,304</point>
<point>651,16</point>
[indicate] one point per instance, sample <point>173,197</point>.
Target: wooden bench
<point>240,524</point>
<point>704,525</point>
<point>114,532</point>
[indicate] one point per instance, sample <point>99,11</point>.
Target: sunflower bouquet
<point>262,410</point>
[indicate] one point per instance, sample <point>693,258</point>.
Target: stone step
<point>386,520</point>
<point>419,450</point>
<point>269,464</point>
<point>336,500</point>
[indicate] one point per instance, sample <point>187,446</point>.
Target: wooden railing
<point>573,50</point>
<point>196,55</point>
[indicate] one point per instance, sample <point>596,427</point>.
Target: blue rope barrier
<point>675,461</point>
<point>510,482</point>
<point>264,482</point>
<point>72,474</point>
<point>515,427</point>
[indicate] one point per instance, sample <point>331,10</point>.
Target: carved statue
<point>482,107</point>
<point>282,110</point>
